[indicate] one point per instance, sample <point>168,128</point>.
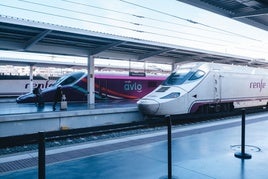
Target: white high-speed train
<point>205,88</point>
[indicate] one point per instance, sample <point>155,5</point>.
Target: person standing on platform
<point>57,97</point>
<point>38,95</point>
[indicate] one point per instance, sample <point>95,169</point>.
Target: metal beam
<point>32,62</point>
<point>218,10</point>
<point>36,39</point>
<point>255,13</point>
<point>209,7</point>
<point>155,53</point>
<point>105,47</point>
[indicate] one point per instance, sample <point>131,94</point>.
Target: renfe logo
<point>128,86</point>
<point>260,85</point>
<point>42,85</point>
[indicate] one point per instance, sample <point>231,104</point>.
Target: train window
<point>178,77</point>
<point>198,74</point>
<point>59,81</point>
<point>77,75</point>
<point>72,78</point>
<point>68,79</point>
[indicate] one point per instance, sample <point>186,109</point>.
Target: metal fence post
<point>41,156</point>
<point>169,147</point>
<point>242,154</point>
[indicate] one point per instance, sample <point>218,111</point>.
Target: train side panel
<point>124,88</point>
<point>74,86</point>
<point>21,86</point>
<point>244,89</point>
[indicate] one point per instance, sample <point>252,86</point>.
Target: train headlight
<point>171,95</point>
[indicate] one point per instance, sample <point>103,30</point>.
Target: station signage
<point>137,74</point>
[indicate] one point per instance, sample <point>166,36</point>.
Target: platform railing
<point>41,156</point>
<point>42,137</point>
<point>241,155</point>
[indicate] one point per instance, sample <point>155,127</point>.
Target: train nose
<point>148,106</point>
<point>26,98</point>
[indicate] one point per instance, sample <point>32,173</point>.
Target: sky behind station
<point>168,21</point>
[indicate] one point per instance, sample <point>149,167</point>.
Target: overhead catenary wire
<point>114,26</point>
<point>66,17</point>
<point>129,22</point>
<point>133,23</point>
<point>143,17</point>
<point>189,20</point>
<point>136,26</point>
<point>204,27</point>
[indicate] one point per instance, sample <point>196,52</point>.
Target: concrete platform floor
<point>200,151</point>
<point>9,106</point>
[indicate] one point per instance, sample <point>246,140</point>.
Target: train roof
<point>101,76</point>
<point>18,77</point>
<point>225,67</point>
<point>123,76</point>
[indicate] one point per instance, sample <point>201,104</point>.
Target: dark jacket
<point>58,94</point>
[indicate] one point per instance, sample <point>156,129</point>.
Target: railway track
<point>14,144</point>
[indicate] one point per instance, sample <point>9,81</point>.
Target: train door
<point>217,86</point>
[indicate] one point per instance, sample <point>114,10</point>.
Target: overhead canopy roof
<point>28,36</point>
<point>31,62</point>
<point>252,12</point>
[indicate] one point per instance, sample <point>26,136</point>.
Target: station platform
<point>10,106</point>
<point>29,118</point>
<point>200,151</point>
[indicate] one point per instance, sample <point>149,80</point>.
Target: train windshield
<point>178,77</point>
<point>182,75</point>
<point>68,79</point>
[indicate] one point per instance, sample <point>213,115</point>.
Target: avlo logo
<point>129,86</point>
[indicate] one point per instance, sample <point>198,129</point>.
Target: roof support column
<point>90,80</point>
<point>173,66</point>
<point>31,79</point>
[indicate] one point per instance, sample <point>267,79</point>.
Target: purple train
<point>74,86</point>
